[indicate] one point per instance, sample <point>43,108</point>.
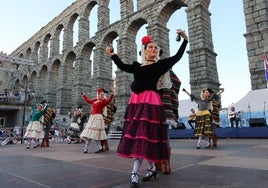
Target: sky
<point>19,20</point>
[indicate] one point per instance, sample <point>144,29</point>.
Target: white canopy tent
<point>185,107</point>
<point>254,101</point>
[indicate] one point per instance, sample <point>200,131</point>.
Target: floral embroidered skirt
<point>144,132</point>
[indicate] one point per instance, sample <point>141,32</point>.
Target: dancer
<point>81,120</point>
<point>144,131</point>
<point>169,95</point>
<point>34,130</point>
<point>215,114</point>
<point>73,131</point>
<point>95,128</point>
<point>203,123</point>
<point>47,122</point>
<point>108,119</point>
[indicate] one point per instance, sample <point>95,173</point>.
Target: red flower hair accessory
<point>146,39</point>
<point>100,90</point>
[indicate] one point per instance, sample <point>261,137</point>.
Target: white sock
<point>151,166</point>
<point>136,165</point>
<point>199,140</point>
<point>28,142</point>
<point>98,144</point>
<point>87,143</point>
<point>207,140</point>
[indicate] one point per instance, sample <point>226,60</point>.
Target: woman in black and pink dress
<point>144,132</point>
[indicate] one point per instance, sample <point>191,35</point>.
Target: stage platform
<point>245,132</point>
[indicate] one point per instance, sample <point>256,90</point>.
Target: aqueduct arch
<point>71,80</point>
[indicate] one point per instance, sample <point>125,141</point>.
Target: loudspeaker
<point>257,122</point>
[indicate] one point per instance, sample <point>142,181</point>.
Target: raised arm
<point>193,98</point>
<point>188,93</point>
<point>85,97</point>
<point>122,66</point>
<point>107,101</point>
<point>167,63</point>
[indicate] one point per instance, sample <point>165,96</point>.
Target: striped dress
<point>170,100</point>
<point>49,116</point>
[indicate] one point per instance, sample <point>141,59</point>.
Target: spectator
<point>16,132</point>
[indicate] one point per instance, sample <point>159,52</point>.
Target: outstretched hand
<point>183,89</point>
<point>109,50</point>
<point>112,90</point>
<point>182,33</point>
<point>220,91</point>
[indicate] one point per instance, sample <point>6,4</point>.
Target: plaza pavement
<point>234,163</point>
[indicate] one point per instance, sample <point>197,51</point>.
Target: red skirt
<point>144,132</point>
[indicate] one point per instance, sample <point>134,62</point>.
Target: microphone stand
<point>264,111</point>
<point>249,112</point>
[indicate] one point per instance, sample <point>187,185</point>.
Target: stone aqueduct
<point>54,77</point>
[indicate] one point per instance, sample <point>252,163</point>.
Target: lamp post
<point>26,97</point>
<point>24,111</point>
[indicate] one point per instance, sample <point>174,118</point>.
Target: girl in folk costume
<point>34,130</point>
<point>95,128</point>
<point>144,131</point>
<point>203,123</point>
<point>73,132</point>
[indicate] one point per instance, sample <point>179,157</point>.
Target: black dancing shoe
<point>36,146</point>
<point>149,175</point>
<point>134,180</point>
<point>85,150</point>
<point>99,151</point>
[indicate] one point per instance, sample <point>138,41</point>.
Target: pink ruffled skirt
<point>144,132</point>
